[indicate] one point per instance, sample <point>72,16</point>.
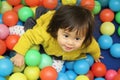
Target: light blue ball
<point>100,78</point>
<point>2,78</point>
<point>89,59</point>
<point>104,3</point>
<point>69,64</point>
<point>71,74</point>
<point>115,50</point>
<point>1,19</point>
<point>105,41</point>
<point>6,67</point>
<point>81,66</point>
<point>114,5</point>
<point>62,76</point>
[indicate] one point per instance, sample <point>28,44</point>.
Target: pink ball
<point>110,74</point>
<point>4,31</point>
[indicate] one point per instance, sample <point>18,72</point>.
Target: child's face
<point>69,41</point>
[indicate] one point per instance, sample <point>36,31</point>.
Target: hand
<point>98,60</point>
<point>18,60</point>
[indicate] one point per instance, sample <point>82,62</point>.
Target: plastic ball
<point>32,73</point>
<point>98,69</point>
<point>32,3</point>
<point>10,18</point>
<point>69,64</point>
<point>114,5</point>
<point>2,78</point>
<point>50,4</point>
<point>82,77</point>
<point>20,23</point>
<point>2,47</point>
<point>4,31</point>
<point>14,2</point>
<point>115,50</point>
<point>11,40</point>
<point>81,66</point>
<point>97,8</point>
<point>62,76</point>
<point>48,73</point>
<point>90,75</point>
<point>32,57</point>
<point>117,17</point>
<point>117,77</point>
<point>99,78</point>
<point>106,15</point>
<point>24,13</point>
<point>89,59</point>
<point>0,4</point>
<point>89,4</point>
<point>104,3</point>
<point>16,8</point>
<point>71,74</point>
<point>110,74</point>
<point>18,69</point>
<point>105,41</point>
<point>107,28</point>
<point>17,75</point>
<point>0,18</point>
<point>6,67</point>
<point>46,60</point>
<point>69,2</point>
<point>6,7</point>
<point>35,47</point>
<point>63,69</point>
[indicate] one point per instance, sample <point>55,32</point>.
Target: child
<point>65,33</point>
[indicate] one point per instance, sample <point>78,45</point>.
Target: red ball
<point>116,77</point>
<point>10,18</point>
<point>110,74</point>
<point>48,73</point>
<point>14,2</point>
<point>90,75</point>
<point>98,69</point>
<point>2,47</point>
<point>106,15</point>
<point>50,4</point>
<point>89,4</point>
<point>16,8</point>
<point>11,40</point>
<point>32,3</point>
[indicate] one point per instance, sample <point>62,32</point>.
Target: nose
<point>70,42</point>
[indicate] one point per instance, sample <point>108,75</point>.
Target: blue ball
<point>6,67</point>
<point>114,5</point>
<point>105,41</point>
<point>1,19</point>
<point>69,64</point>
<point>89,59</point>
<point>71,74</point>
<point>81,66</point>
<point>115,50</point>
<point>2,78</point>
<point>62,76</point>
<point>63,69</point>
<point>104,3</point>
<point>100,78</point>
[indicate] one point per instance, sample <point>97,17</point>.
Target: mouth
<point>68,48</point>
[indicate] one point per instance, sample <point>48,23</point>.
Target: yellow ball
<point>107,28</point>
<point>18,69</point>
<point>82,77</point>
<point>32,73</point>
<point>69,2</point>
<point>1,57</point>
<point>18,76</point>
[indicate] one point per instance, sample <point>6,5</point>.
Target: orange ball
<point>14,2</point>
<point>10,18</point>
<point>106,15</point>
<point>11,40</point>
<point>48,73</point>
<point>32,3</point>
<point>98,69</point>
<point>16,8</point>
<point>50,4</point>
<point>90,75</point>
<point>89,4</point>
<point>2,47</point>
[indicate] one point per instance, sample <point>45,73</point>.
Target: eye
<point>65,36</point>
<point>77,38</point>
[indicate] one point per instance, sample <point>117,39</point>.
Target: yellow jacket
<point>38,35</point>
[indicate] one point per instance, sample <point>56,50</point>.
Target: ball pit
<point>110,60</point>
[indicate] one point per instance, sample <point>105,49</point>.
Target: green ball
<point>117,17</point>
<point>32,57</point>
<point>118,30</point>
<point>97,7</point>
<point>24,13</point>
<point>0,4</point>
<point>46,60</point>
